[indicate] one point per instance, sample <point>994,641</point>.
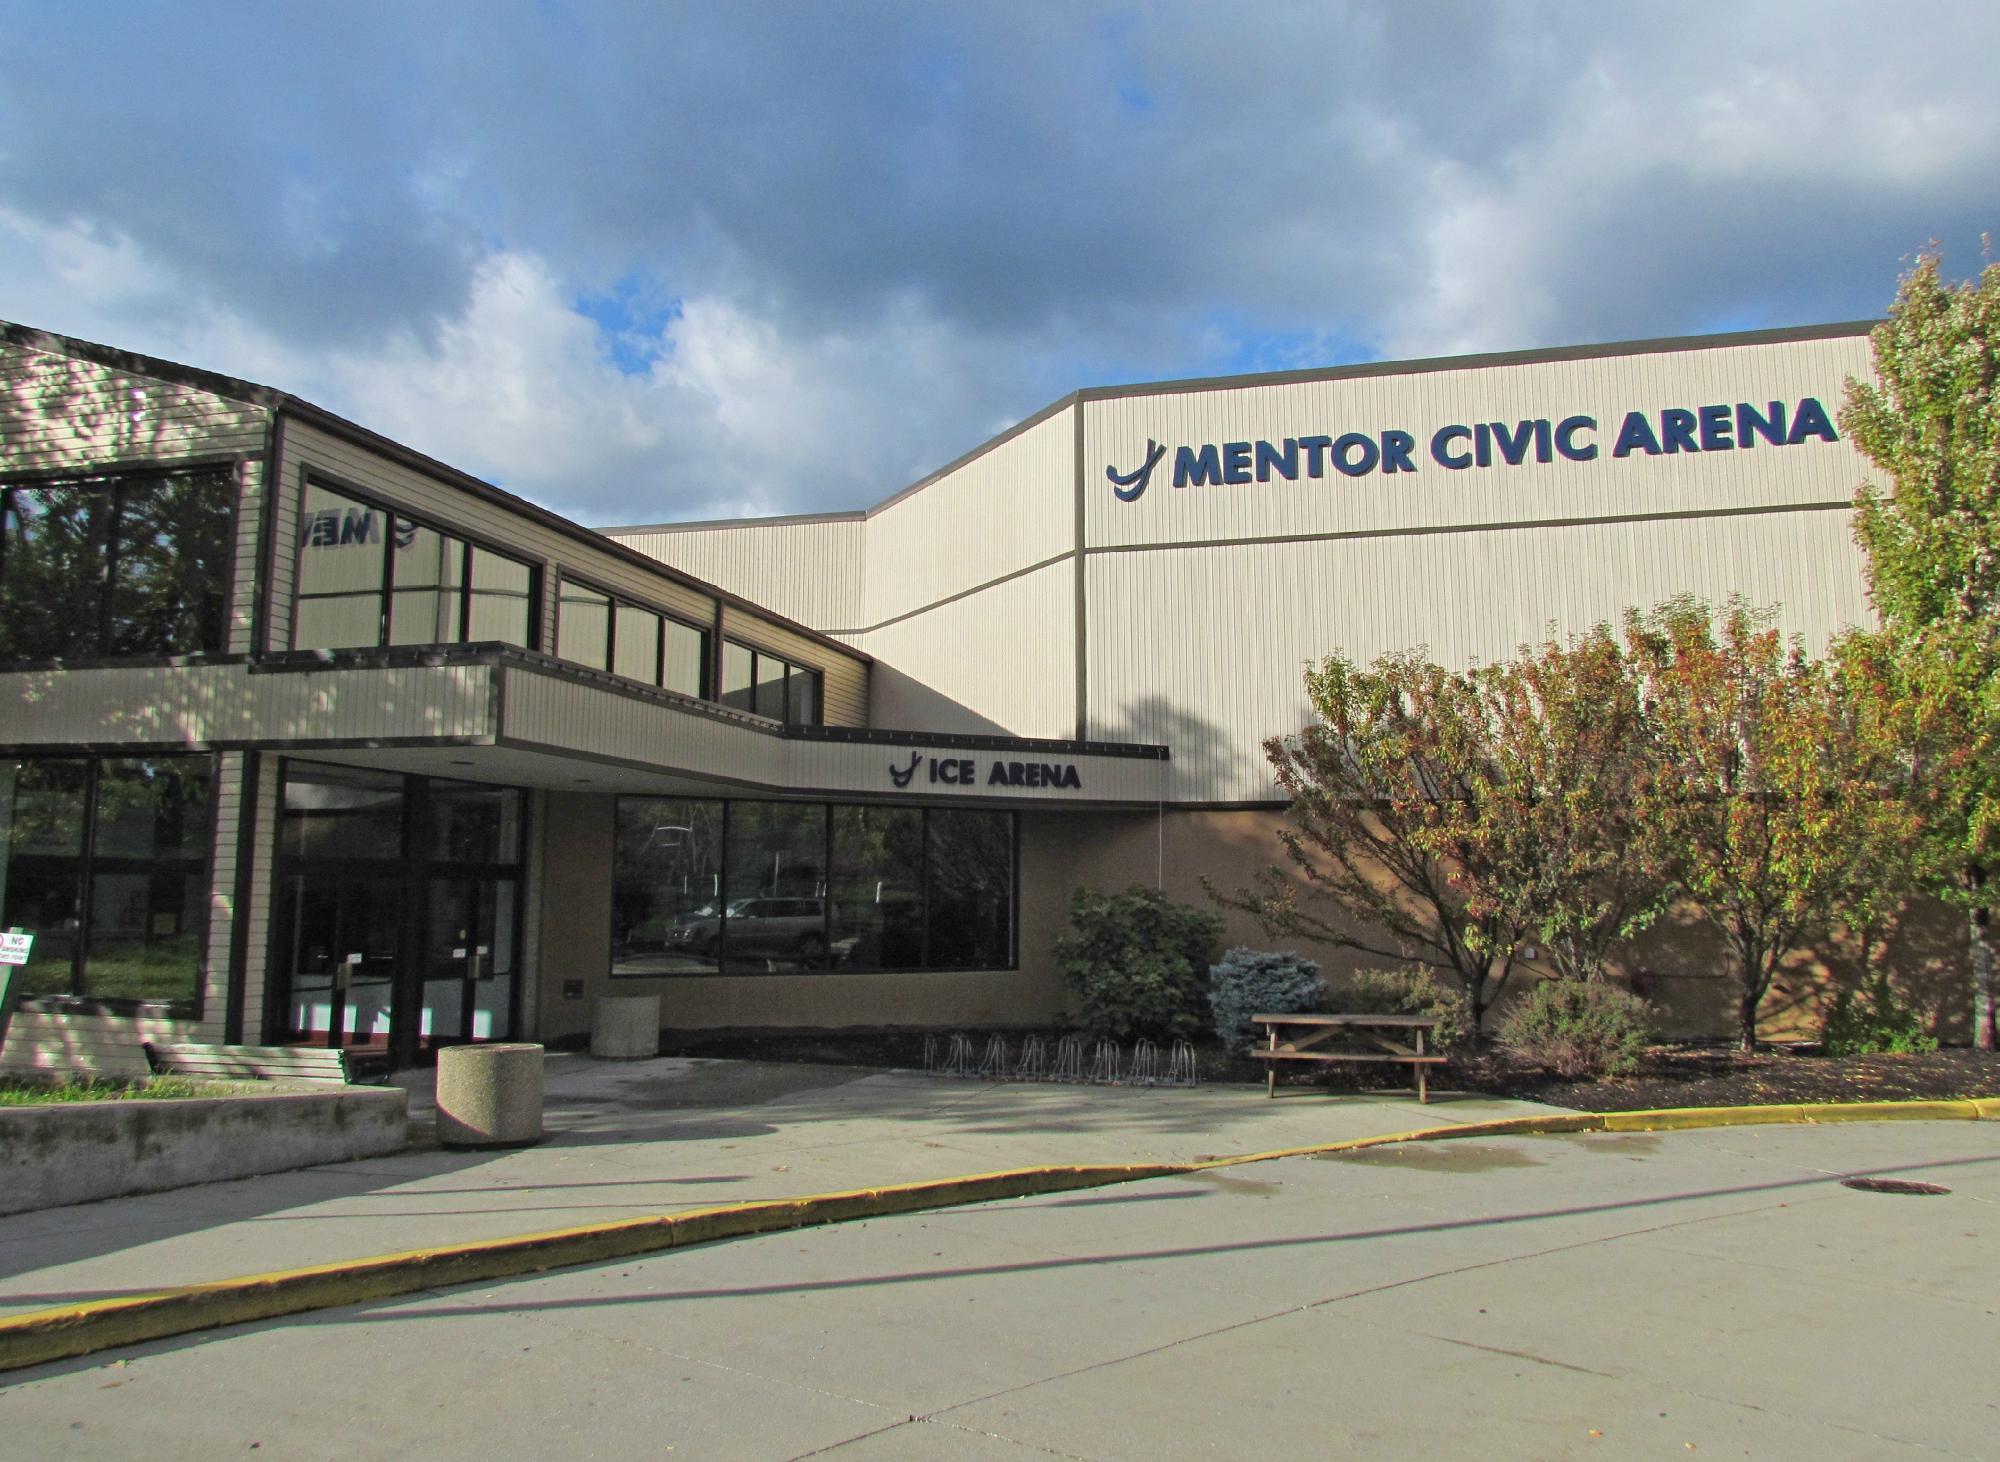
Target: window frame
<point>385,590</point>
<point>616,602</point>
<point>90,864</point>
<point>225,474</point>
<point>794,670</point>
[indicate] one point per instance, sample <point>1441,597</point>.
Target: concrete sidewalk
<point>629,1139</point>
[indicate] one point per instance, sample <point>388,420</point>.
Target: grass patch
<point>28,1092</point>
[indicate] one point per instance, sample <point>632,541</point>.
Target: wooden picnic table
<point>1333,1039</point>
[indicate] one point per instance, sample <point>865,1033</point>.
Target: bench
<point>251,1063</point>
<point>1383,1038</point>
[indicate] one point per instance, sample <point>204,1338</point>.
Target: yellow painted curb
<point>68,1331</point>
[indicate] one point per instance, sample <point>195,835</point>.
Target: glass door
<point>468,984</point>
<point>338,939</point>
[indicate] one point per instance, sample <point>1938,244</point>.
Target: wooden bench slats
<point>263,1063</point>
<point>1307,1037</point>
<point>1325,1056</point>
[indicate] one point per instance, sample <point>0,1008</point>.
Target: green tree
<point>1552,829</point>
<point>1772,803</point>
<point>1931,422</point>
<point>1383,784</point>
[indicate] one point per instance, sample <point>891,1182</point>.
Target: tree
<point>1558,804</point>
<point>1391,765</point>
<point>1931,423</point>
<point>1772,805</point>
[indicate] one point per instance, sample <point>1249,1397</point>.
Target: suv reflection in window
<point>759,928</point>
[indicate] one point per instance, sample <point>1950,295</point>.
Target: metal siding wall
<point>251,477</point>
<point>575,715</point>
<point>229,770</point>
<point>810,572</point>
<point>193,705</point>
<point>61,414</point>
<point>1205,649</point>
<point>1116,432</point>
<point>1001,660</point>
<point>1001,512</point>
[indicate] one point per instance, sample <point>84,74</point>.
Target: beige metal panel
<point>806,570</point>
<point>1002,660</point>
<point>1202,649</point>
<point>228,793</point>
<point>250,479</point>
<point>1005,510</point>
<point>309,448</point>
<point>1116,433</point>
<point>200,705</point>
<point>59,414</point>
<point>594,720</point>
<point>845,680</point>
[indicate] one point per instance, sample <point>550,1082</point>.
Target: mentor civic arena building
<point>308,738</point>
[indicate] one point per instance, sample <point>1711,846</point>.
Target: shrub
<point>1247,982</point>
<point>1871,1019</point>
<point>1139,961</point>
<point>1409,990</point>
<point>1579,1028</point>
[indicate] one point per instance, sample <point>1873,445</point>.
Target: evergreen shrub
<point>1247,982</point>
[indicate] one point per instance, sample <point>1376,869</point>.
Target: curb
<point>70,1331</point>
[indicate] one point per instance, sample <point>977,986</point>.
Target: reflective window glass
<point>774,885</point>
<point>502,600</point>
<point>666,892</point>
<point>474,824</point>
<point>877,888</point>
<point>583,625</point>
<point>171,564</point>
<point>636,644</point>
<point>342,812</point>
<point>53,569</point>
<point>802,697</point>
<point>770,687</point>
<point>152,808</point>
<point>971,885</point>
<point>739,685</point>
<point>686,659</point>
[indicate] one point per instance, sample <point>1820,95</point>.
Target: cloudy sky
<point>644,262</point>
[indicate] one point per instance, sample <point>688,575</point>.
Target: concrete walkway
<point>629,1139</point>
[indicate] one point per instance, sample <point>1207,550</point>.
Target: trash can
<point>625,1027</point>
<point>489,1096</point>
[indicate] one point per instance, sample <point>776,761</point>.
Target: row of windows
<point>104,566</point>
<point>104,860</point>
<point>707,887</point>
<point>140,565</point>
<point>369,577</point>
<point>595,629</point>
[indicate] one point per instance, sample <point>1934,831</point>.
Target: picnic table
<point>1333,1039</point>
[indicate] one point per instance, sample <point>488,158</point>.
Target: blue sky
<point>652,262</point>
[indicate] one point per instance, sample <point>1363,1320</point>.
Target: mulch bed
<point>1673,1076</point>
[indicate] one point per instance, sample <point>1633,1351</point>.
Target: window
<point>594,628</point>
<point>768,685</point>
<point>369,577</point>
<point>105,861</point>
<point>710,887</point>
<point>110,566</point>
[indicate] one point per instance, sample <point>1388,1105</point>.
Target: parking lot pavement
<point>1647,1295</point>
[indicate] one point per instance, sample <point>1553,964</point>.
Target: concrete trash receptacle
<point>625,1027</point>
<point>489,1096</point>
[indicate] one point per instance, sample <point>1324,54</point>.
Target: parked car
<point>758,928</point>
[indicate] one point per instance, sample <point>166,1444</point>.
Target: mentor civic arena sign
<point>1459,446</point>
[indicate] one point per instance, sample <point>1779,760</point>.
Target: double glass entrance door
<point>397,913</point>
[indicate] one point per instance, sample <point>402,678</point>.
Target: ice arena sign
<point>1482,444</point>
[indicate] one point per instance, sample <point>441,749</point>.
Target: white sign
<point>14,948</point>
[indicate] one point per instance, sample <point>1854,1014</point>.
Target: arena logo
<point>1668,432</point>
<point>348,527</point>
<point>964,772</point>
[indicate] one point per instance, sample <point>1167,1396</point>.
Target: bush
<point>1247,982</point>
<point>1579,1028</point>
<point>1410,990</point>
<point>1139,961</point>
<point>1871,1019</point>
